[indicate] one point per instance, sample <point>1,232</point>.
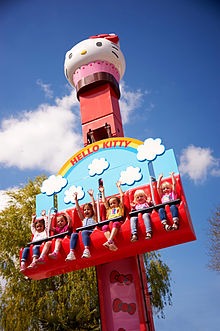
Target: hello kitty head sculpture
<point>94,61</point>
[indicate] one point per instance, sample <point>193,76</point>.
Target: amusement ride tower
<point>94,67</point>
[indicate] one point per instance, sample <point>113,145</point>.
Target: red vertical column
<point>99,106</point>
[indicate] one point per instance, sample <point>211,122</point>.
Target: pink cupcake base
<point>95,67</point>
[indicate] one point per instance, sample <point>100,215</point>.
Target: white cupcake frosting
<point>91,50</point>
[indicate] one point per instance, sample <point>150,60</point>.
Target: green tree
<point>65,302</point>
<point>159,282</point>
<point>214,240</point>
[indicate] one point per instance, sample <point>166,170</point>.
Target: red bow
<point>112,37</point>
<point>118,305</point>
<point>115,276</point>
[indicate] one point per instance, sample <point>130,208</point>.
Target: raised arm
<point>69,219</point>
<point>173,182</point>
<point>33,230</point>
<point>43,213</point>
<point>78,207</point>
<point>52,228</point>
<point>102,190</point>
<point>118,184</point>
<point>159,190</point>
<point>93,203</point>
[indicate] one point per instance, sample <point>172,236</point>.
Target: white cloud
<point>4,199</point>
<point>69,194</point>
<point>44,138</point>
<point>130,175</point>
<point>215,172</point>
<point>129,101</point>
<point>197,163</point>
<point>46,88</point>
<point>98,166</point>
<point>150,149</point>
<point>53,184</point>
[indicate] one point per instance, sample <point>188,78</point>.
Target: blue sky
<point>170,90</point>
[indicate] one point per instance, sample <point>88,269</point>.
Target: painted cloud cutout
<point>69,197</point>
<point>53,184</point>
<point>150,149</point>
<point>98,166</point>
<point>130,175</point>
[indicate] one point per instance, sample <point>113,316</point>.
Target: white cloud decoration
<point>69,197</point>
<point>150,149</point>
<point>130,175</point>
<point>98,166</point>
<point>53,184</point>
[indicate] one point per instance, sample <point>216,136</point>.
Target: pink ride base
<point>118,293</point>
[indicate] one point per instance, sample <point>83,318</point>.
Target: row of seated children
<point>168,192</point>
<point>39,229</point>
<point>114,208</point>
<point>88,217</point>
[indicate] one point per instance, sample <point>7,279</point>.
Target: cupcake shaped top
<point>98,53</point>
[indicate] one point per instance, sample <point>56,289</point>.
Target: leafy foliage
<point>214,240</point>
<point>65,302</point>
<point>158,276</point>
